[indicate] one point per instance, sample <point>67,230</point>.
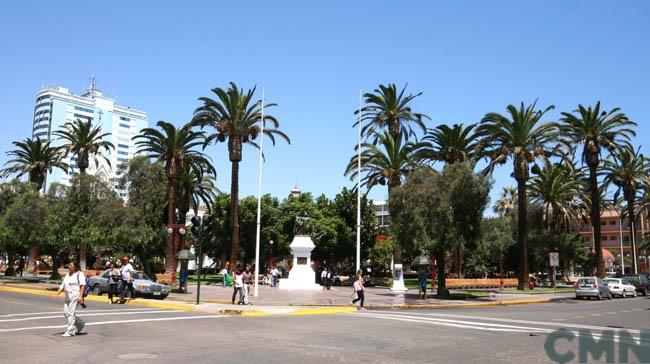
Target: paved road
<point>30,329</point>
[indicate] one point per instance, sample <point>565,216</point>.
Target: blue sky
<point>313,58</point>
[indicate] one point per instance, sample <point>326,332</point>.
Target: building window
<point>612,238</point>
<point>41,134</point>
<point>124,118</point>
<point>84,109</point>
<point>122,153</point>
<point>612,223</point>
<point>603,223</point>
<point>122,146</point>
<point>124,126</point>
<point>83,116</point>
<point>42,126</point>
<point>125,160</point>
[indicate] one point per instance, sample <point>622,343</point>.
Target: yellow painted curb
<point>323,310</point>
<point>140,302</point>
<point>478,304</point>
<point>254,313</point>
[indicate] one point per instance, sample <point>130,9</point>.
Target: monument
<point>301,275</point>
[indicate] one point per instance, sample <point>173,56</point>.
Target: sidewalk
<point>217,300</point>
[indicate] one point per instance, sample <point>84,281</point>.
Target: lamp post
<point>200,231</point>
<point>176,232</point>
<point>270,254</point>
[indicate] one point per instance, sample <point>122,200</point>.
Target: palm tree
<point>236,120</point>
<point>523,138</point>
<point>176,148</point>
<point>36,158</point>
<point>388,109</point>
<point>386,162</point>
<point>595,130</point>
<point>195,189</point>
<point>628,170</point>
<point>83,140</point>
<point>507,201</point>
<point>453,144</point>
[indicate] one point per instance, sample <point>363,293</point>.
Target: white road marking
<point>52,312</point>
<point>84,314</point>
<point>526,322</point>
<point>116,322</point>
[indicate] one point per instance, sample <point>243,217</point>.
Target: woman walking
<point>114,278</point>
<point>238,285</point>
<point>358,289</point>
<point>73,284</point>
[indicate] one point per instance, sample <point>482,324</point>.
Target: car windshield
<point>615,281</point>
<point>586,282</point>
<point>627,282</point>
<point>140,275</point>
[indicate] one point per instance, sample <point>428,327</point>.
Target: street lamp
<point>270,254</point>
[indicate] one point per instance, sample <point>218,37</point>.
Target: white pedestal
<point>398,279</point>
<point>301,275</point>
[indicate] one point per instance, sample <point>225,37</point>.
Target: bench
<point>460,283</point>
<point>167,279</point>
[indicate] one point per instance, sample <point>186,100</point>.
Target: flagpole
<point>259,204</point>
<point>359,187</point>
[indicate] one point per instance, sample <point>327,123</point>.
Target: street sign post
<point>554,262</point>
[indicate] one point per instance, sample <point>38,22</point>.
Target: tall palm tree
<point>387,161</point>
<point>236,120</point>
<point>628,170</point>
<point>453,144</point>
<point>194,189</point>
<point>507,201</point>
<point>595,130</point>
<point>34,157</point>
<point>176,148</point>
<point>386,108</point>
<point>524,138</point>
<point>83,140</point>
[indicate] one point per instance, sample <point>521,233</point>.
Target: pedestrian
<point>248,281</point>
<point>323,278</point>
<point>224,275</point>
<point>274,276</point>
<point>114,278</point>
<point>126,281</point>
<point>358,289</point>
<point>329,279</point>
<point>21,267</point>
<point>238,284</point>
<point>73,284</point>
<point>422,283</point>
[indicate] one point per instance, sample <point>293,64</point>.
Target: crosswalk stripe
<point>85,314</point>
<point>52,312</point>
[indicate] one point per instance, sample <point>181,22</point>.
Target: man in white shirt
<point>127,279</point>
<point>73,284</point>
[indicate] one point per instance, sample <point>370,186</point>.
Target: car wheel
<point>609,297</point>
<point>645,291</point>
<point>600,296</point>
<point>97,291</point>
<point>624,294</point>
<point>634,294</point>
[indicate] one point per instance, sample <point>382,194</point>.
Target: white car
<point>620,287</point>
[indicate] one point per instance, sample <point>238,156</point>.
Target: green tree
<point>9,193</point>
<point>507,202</point>
<point>453,144</point>
<point>236,119</point>
<point>523,137</point>
<point>594,129</point>
<point>176,149</point>
<point>83,140</point>
<point>435,210</point>
<point>35,158</point>
<point>628,170</point>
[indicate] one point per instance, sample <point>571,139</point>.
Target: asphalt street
<point>31,328</point>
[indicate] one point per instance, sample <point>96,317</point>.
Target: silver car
<point>592,287</point>
<point>142,284</point>
<point>621,287</point>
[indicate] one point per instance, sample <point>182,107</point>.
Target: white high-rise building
<point>55,106</point>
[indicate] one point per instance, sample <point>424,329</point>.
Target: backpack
<point>86,287</point>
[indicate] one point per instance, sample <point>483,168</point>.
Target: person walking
<point>126,281</point>
<point>329,279</point>
<point>274,276</point>
<point>224,275</point>
<point>113,282</point>
<point>238,285</point>
<point>73,285</point>
<point>422,283</point>
<point>358,289</point>
<point>323,278</point>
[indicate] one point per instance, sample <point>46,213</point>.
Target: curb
<point>462,305</point>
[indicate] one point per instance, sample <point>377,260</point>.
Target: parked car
<point>640,281</point>
<point>592,287</point>
<point>143,285</point>
<point>620,287</point>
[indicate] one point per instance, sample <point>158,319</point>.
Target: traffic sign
<point>554,259</point>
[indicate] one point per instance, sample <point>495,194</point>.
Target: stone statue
<point>302,226</point>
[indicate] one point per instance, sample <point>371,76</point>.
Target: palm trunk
<point>522,233</point>
<point>169,249</point>
<point>441,276</point>
<point>632,227</point>
<point>34,252</point>
<point>595,220</point>
<point>234,212</point>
